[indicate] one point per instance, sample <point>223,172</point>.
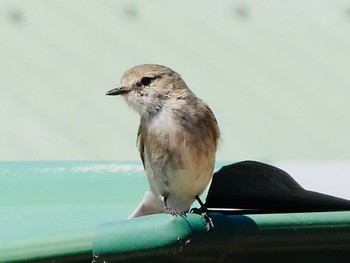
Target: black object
<point>261,188</point>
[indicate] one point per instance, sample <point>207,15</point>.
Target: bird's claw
<point>174,212</point>
<point>209,222</point>
<point>203,212</point>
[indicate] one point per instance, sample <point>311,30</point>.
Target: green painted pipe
<point>319,236</point>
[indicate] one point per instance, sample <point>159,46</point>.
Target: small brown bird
<point>177,137</point>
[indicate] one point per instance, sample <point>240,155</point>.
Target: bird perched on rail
<point>177,137</point>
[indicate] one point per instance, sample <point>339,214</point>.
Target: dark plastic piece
<point>261,188</point>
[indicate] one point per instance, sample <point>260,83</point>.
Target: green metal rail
<point>317,237</point>
<point>68,211</point>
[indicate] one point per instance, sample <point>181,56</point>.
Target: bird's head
<point>148,87</point>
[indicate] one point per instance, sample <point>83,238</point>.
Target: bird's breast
<point>178,161</point>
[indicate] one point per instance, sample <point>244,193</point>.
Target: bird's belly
<point>179,162</point>
<point>181,180</point>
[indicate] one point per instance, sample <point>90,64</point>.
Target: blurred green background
<point>275,73</point>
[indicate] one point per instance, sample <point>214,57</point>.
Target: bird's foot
<point>174,212</point>
<point>203,211</point>
<point>208,221</point>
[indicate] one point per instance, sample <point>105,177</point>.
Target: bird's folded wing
<point>140,145</point>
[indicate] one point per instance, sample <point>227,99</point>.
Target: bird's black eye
<point>145,81</point>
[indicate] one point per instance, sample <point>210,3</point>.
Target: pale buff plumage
<point>177,137</point>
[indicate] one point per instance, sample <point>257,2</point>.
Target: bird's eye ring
<point>146,81</point>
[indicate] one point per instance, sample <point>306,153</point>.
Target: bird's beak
<point>117,91</point>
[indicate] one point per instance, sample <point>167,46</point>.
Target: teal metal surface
<point>59,247</point>
<point>51,208</point>
<point>146,233</point>
<point>66,211</point>
<point>318,237</point>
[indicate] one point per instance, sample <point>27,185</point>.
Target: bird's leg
<point>204,212</point>
<point>171,211</point>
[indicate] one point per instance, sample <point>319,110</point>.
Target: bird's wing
<point>211,113</point>
<point>140,145</point>
<point>214,125</point>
